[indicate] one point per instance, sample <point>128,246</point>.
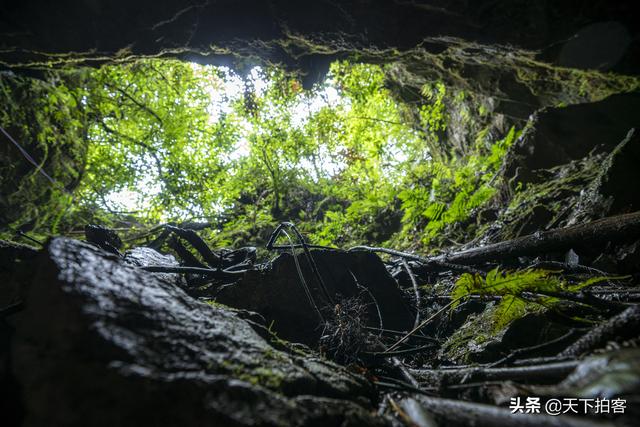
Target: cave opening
<point>352,158</point>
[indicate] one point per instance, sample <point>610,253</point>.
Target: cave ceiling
<point>522,52</point>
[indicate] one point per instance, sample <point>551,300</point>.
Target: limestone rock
<point>105,343</point>
<point>277,293</point>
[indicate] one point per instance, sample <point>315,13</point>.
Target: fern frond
<point>511,307</point>
<point>510,285</point>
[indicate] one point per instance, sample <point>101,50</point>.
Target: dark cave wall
<point>514,51</point>
<point>291,31</point>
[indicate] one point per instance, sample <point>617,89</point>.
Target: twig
<point>407,420</point>
<point>27,156</point>
<point>135,101</point>
<point>417,414</point>
<point>305,248</point>
<point>526,350</point>
<point>299,246</point>
<point>305,287</point>
<point>580,299</point>
<point>414,330</point>
<point>190,270</point>
<point>187,257</point>
<point>426,261</point>
<point>142,234</point>
<point>567,267</point>
<point>402,352</point>
<point>405,372</point>
<point>392,332</point>
<point>375,302</point>
<point>461,375</point>
<point>416,291</point>
<point>400,386</point>
<point>482,415</point>
<point>623,325</point>
<point>620,227</point>
<point>30,238</point>
<point>196,241</point>
<point>541,360</point>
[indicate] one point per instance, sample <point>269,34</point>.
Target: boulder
<point>557,136</point>
<point>104,343</point>
<point>278,294</point>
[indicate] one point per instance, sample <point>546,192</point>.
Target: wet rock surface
<point>278,294</point>
<point>104,343</point>
<point>147,257</point>
<point>571,165</point>
<point>557,136</point>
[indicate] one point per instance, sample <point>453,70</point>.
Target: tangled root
<point>345,334</point>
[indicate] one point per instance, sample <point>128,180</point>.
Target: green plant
<point>167,141</point>
<point>512,286</point>
<point>453,189</point>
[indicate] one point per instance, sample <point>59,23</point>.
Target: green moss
<point>214,303</point>
<point>47,119</point>
<point>561,187</point>
<point>472,337</point>
<point>561,86</point>
<point>267,378</point>
<point>259,376</point>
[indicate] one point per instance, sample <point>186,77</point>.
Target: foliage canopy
<point>170,141</point>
